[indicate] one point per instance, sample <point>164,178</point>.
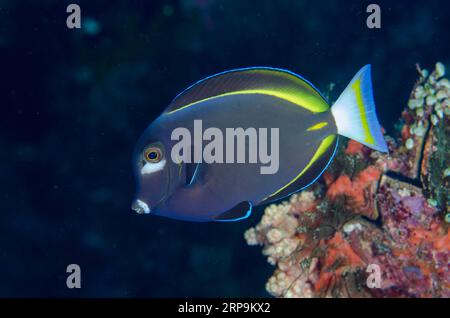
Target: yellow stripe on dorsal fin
<point>255,80</point>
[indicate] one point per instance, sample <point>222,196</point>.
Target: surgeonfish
<point>285,104</point>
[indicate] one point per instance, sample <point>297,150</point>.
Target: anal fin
<point>239,212</point>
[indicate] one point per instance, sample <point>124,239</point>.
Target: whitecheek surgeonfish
<point>257,97</point>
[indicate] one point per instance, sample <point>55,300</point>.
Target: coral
<point>371,210</point>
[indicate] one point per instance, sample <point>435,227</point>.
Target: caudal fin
<point>354,112</point>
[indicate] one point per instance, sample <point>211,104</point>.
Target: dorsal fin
<point>263,80</point>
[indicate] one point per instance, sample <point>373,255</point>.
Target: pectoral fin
<point>192,171</point>
<point>238,212</point>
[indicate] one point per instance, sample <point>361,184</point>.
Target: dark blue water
<point>74,101</point>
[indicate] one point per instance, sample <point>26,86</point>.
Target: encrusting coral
<point>376,225</point>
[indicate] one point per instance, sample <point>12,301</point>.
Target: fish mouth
<point>140,207</point>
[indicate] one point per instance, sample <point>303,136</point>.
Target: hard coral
<point>371,214</point>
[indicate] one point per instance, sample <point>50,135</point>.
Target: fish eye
<point>153,155</point>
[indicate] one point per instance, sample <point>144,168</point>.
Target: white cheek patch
<point>149,168</point>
